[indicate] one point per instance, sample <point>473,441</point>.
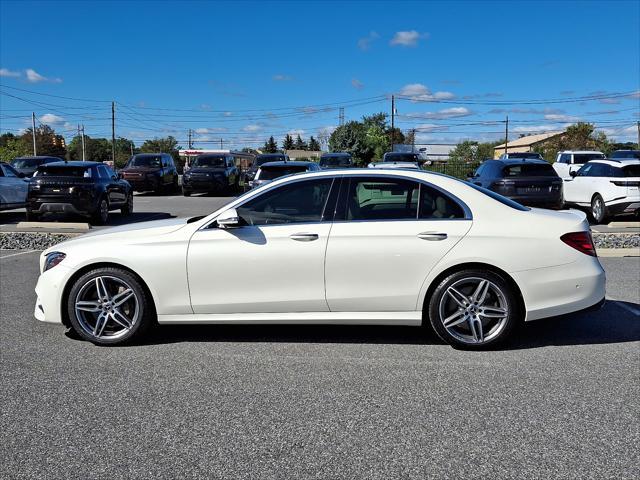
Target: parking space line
<point>19,253</point>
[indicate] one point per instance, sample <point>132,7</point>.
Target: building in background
<point>313,155</point>
<point>525,144</point>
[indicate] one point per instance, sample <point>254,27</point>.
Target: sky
<point>241,71</point>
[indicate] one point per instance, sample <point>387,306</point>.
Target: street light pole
<point>33,133</point>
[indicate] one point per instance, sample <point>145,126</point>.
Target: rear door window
<point>380,198</point>
<point>434,204</point>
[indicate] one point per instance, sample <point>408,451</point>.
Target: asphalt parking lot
<point>320,401</point>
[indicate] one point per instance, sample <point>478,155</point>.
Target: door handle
<point>432,236</point>
<point>304,237</point>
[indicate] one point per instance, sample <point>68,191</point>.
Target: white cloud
<point>609,101</point>
<point>430,127</point>
<point>365,42</point>
<point>635,94</point>
<point>35,77</point>
<point>420,92</point>
<point>51,119</point>
<point>282,78</point>
<point>444,113</point>
<point>408,38</point>
<point>204,131</point>
<point>205,106</point>
<point>5,72</point>
<point>228,114</point>
<point>357,84</point>
<point>296,132</point>
<point>531,129</point>
<point>561,118</point>
<point>252,128</point>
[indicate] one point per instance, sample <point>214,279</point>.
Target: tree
<point>410,137</point>
<point>12,147</point>
<point>287,143</point>
<point>580,136</point>
<point>47,142</point>
<point>300,144</point>
<point>270,146</point>
<point>314,146</point>
<point>350,138</point>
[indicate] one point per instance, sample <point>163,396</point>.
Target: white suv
<point>571,161</point>
<point>607,187</point>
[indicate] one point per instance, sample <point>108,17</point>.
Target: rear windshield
<point>335,161</point>
<point>260,159</point>
<point>80,172</point>
<point>401,157</point>
<point>496,196</point>
<point>581,158</point>
<point>524,155</point>
<point>213,161</point>
<point>271,173</point>
<point>27,162</point>
<point>628,171</point>
<point>145,161</point>
<point>529,170</point>
<point>626,154</point>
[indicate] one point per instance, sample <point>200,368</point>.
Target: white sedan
<point>359,246</point>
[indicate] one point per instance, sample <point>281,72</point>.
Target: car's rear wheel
<point>474,309</point>
<point>109,306</point>
<point>598,209</point>
<point>101,215</point>
<point>186,193</point>
<point>127,209</point>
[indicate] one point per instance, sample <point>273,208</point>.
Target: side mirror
<point>21,175</point>
<point>573,173</point>
<point>228,219</point>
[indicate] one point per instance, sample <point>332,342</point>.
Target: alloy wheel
<point>107,307</point>
<point>104,211</point>
<point>473,310</point>
<point>597,209</point>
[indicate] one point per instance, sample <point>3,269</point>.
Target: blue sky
<point>242,71</point>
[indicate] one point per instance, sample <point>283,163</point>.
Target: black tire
<point>32,216</point>
<point>141,316</point>
<point>186,193</point>
<point>101,215</point>
<point>127,209</point>
<point>175,188</point>
<point>494,332</point>
<point>598,209</point>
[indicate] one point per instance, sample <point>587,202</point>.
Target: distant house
<point>302,154</point>
<point>525,144</point>
<point>434,152</point>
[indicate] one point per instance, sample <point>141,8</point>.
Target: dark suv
<point>28,165</point>
<point>151,172</point>
<point>530,182</point>
<point>336,160</point>
<point>212,173</point>
<point>85,188</point>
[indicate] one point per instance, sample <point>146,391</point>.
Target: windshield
<point>209,162</point>
<point>400,157</point>
<point>27,162</point>
<point>496,196</point>
<point>525,155</point>
<point>626,154</point>
<point>260,159</point>
<point>271,173</point>
<point>581,158</point>
<point>628,171</point>
<point>335,161</point>
<point>529,170</point>
<point>64,171</point>
<point>145,161</point>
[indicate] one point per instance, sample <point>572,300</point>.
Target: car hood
<point>125,233</point>
<point>140,170</point>
<point>207,170</point>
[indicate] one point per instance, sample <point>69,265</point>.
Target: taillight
<point>626,183</point>
<point>581,241</point>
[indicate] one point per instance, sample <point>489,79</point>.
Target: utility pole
<point>33,132</point>
<point>189,142</point>
<point>413,140</point>
<point>83,149</point>
<point>131,145</point>
<point>638,125</point>
<point>220,144</point>
<point>341,116</point>
<point>393,117</point>
<point>506,135</point>
<point>113,133</point>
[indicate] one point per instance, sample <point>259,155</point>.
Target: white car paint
<point>622,192</point>
<point>13,189</point>
<point>367,272</point>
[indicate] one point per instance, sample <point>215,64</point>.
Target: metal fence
<point>458,170</point>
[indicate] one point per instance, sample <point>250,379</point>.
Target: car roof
<point>287,164</point>
<point>617,162</point>
<point>582,151</point>
<point>71,164</point>
<point>24,157</point>
<point>522,161</point>
<point>336,154</point>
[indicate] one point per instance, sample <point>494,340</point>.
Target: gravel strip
<point>31,240</point>
<point>41,241</point>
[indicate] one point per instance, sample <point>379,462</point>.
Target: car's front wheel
<point>474,309</point>
<point>109,306</point>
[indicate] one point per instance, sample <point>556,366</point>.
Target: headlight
<point>53,259</point>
